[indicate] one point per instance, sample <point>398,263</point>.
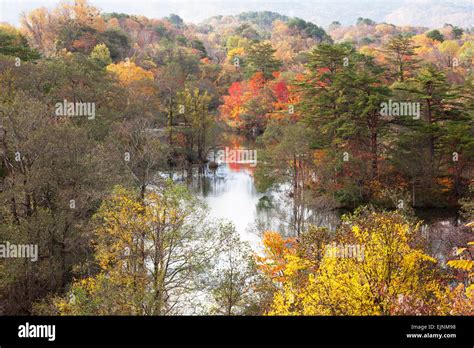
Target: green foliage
<point>117,42</point>
<point>194,105</point>
<point>343,108</point>
<point>102,54</point>
<point>260,58</point>
<point>16,45</point>
<point>400,54</point>
<point>310,29</point>
<point>435,35</point>
<point>247,31</point>
<point>199,45</point>
<point>262,18</point>
<point>443,130</point>
<point>175,20</point>
<point>365,21</point>
<point>108,16</point>
<point>457,32</point>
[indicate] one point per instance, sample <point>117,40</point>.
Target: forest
<point>107,120</point>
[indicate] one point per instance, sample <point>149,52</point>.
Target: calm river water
<point>231,194</point>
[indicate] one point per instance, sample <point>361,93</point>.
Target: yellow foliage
<point>235,52</point>
<point>125,245</point>
<point>350,286</point>
<point>129,72</point>
<point>465,265</point>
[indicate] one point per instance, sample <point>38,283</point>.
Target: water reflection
<point>230,194</point>
<point>229,191</point>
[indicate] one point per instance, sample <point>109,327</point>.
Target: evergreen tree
<point>400,55</point>
<point>260,58</point>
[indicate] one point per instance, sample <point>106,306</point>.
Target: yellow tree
<point>101,54</point>
<point>388,275</point>
<point>276,251</point>
<point>149,254</point>
<point>235,55</point>
<point>128,73</point>
<point>42,27</point>
<point>194,106</point>
<point>449,50</point>
<point>143,92</point>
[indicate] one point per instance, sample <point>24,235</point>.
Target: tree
<point>275,255</point>
<point>247,104</point>
<point>440,105</point>
<point>435,35</point>
<point>310,29</point>
<point>260,59</point>
<point>137,152</point>
<point>149,253</point>
<point>450,50</point>
<point>142,91</point>
<point>102,54</point>
<point>197,122</point>
<point>387,272</point>
<point>117,42</point>
<point>234,281</point>
<point>70,26</point>
<point>436,140</point>
<point>38,26</point>
<point>129,72</point>
<point>175,20</point>
<point>12,43</point>
<point>365,21</point>
<point>341,104</point>
<point>400,54</point>
<point>50,190</point>
<point>170,80</point>
<point>288,159</point>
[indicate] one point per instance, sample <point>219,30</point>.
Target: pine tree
<point>400,54</point>
<point>260,57</point>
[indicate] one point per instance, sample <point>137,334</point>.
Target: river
<point>231,194</point>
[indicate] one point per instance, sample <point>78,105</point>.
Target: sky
<point>428,13</point>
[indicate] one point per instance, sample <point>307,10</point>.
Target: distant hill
<point>259,19</point>
<point>259,23</point>
<point>262,18</point>
<point>425,13</point>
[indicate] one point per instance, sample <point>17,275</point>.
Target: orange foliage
<point>277,95</point>
<point>233,104</point>
<point>240,93</point>
<point>285,97</point>
<point>274,259</point>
